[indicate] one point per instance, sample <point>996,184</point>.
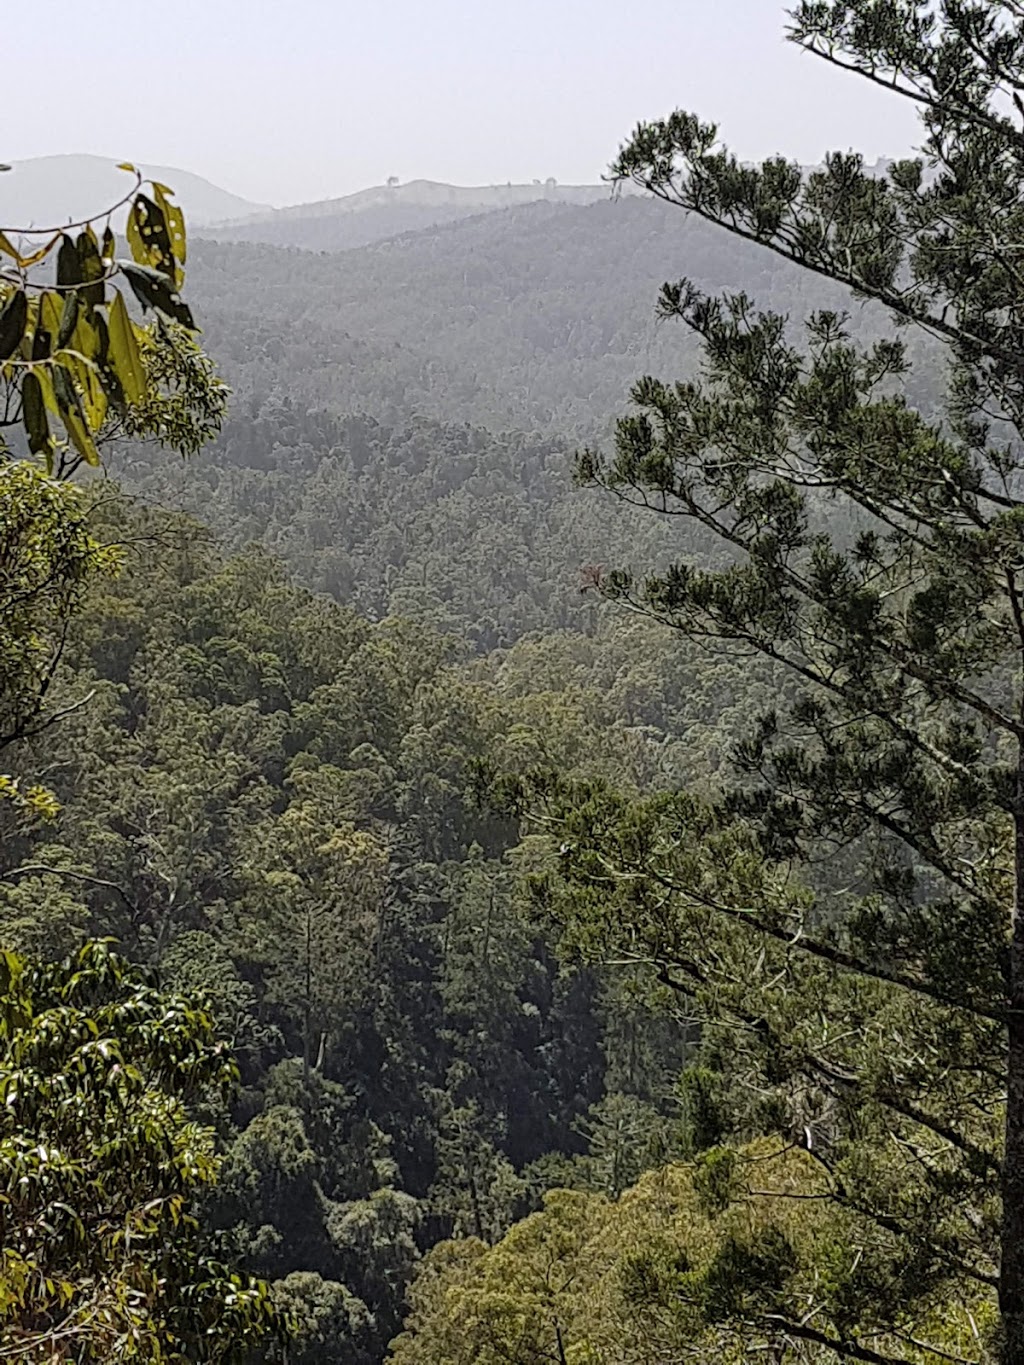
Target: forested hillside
<point>290,824</point>
<point>512,821</point>
<point>405,415</point>
<point>388,211</point>
<point>535,319</point>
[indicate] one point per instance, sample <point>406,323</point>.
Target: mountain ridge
<point>384,211</point>
<point>422,190</point>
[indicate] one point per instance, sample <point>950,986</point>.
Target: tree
<point>100,1165</point>
<point>313,912</point>
<point>47,560</point>
<point>76,372</point>
<point>71,358</point>
<point>875,553</point>
<point>692,1262</point>
<point>330,1323</point>
<point>99,1159</point>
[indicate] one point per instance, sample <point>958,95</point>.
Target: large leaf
<point>69,267</point>
<point>92,270</point>
<point>73,416</point>
<point>153,291</point>
<point>86,374</point>
<point>13,318</point>
<point>51,311</point>
<point>123,354</point>
<point>88,360</point>
<point>33,411</point>
<point>175,221</point>
<point>149,237</point>
<point>68,319</point>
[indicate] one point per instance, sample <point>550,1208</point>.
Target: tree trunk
<point>1011,1273</point>
<point>307,1008</point>
<point>474,1196</point>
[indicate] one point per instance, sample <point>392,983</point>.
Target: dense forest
<point>504,859</point>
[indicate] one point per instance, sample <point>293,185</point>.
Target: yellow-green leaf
<point>42,374</point>
<point>51,310</point>
<point>175,226</point>
<point>34,257</point>
<point>133,231</point>
<point>72,415</point>
<point>90,390</point>
<point>91,265</point>
<point>124,352</point>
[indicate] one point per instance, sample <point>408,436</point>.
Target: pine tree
<point>876,555</point>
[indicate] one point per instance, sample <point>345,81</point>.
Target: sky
<point>287,101</point>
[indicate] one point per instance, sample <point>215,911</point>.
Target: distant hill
<point>535,318</point>
<point>385,211</point>
<point>404,413</point>
<point>46,191</point>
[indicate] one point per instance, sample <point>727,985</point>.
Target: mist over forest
<point>512,750</point>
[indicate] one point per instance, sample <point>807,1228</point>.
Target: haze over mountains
<point>405,412</point>
<point>50,190</point>
<point>435,353</point>
<point>389,210</point>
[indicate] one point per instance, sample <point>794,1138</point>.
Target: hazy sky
<point>291,100</point>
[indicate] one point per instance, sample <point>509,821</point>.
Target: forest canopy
<point>452,911</point>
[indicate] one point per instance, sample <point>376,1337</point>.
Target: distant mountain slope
<point>536,318</point>
<point>50,190</point>
<point>389,210</point>
<point>404,414</point>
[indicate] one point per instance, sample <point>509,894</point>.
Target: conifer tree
<point>876,556</point>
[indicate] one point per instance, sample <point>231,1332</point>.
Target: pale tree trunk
<point>1011,1272</point>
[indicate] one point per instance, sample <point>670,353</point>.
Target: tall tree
<point>100,1165</point>
<point>877,553</point>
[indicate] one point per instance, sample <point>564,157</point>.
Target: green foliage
<point>656,1276</point>
<point>872,550</point>
<point>69,353</point>
<point>76,372</point>
<point>326,1321</point>
<point>100,1167</point>
<point>100,1162</point>
<point>770,887</point>
<point>48,558</point>
<point>274,800</point>
<point>181,402</point>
